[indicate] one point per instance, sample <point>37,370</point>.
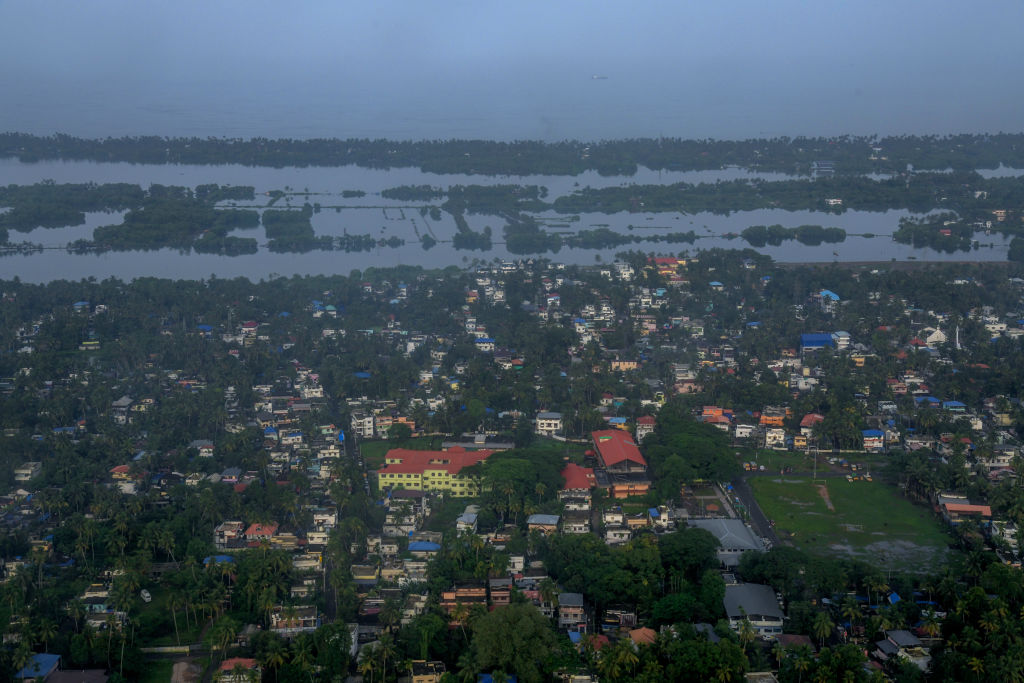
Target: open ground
<point>868,521</point>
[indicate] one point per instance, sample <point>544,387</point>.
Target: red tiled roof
<point>645,420</point>
<point>416,462</point>
<point>615,446</point>
<point>230,664</point>
<point>577,477</point>
<point>257,529</point>
<point>811,419</point>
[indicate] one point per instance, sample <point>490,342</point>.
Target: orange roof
<point>230,664</point>
<point>417,462</point>
<point>642,635</point>
<point>811,419</point>
<point>615,446</point>
<point>120,468</point>
<point>645,420</point>
<point>577,477</point>
<point>983,510</point>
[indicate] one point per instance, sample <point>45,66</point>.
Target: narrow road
<point>742,489</point>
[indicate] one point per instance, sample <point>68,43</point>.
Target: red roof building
<point>578,478</point>
<point>258,532</point>
<point>617,450</point>
<point>431,470</point>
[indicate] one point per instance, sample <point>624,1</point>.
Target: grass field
<point>774,461</point>
<point>867,520</point>
<point>157,672</point>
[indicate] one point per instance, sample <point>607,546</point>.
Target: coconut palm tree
<point>822,627</point>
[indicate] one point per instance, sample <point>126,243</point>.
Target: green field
<point>774,461</point>
<point>157,672</point>
<point>869,521</point>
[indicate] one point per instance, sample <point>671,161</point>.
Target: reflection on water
<point>371,214</point>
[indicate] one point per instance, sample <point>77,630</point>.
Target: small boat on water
<point>599,78</point>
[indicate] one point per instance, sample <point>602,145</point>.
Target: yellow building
<point>431,470</point>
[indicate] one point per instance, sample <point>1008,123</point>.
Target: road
<point>741,489</point>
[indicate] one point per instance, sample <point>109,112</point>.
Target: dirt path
<point>186,672</point>
<point>823,492</point>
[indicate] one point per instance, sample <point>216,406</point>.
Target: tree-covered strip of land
<point>761,235</point>
<point>845,155</point>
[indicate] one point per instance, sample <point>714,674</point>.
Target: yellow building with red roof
<point>431,470</point>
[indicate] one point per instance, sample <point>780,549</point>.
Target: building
<point>644,426</point>
<point>549,424</point>
<point>239,670</point>
<point>28,471</point>
<point>39,667</point>
<point>874,440</point>
<point>622,462</point>
<point>229,534</point>
<point>427,672</point>
<point>755,603</point>
<point>431,470</point>
<point>546,524</point>
<point>734,538</point>
<point>289,621</point>
<point>571,615</point>
<point>579,481</point>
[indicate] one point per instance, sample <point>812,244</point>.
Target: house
<point>203,446</point>
<point>546,524</point>
<point>427,672</point>
<point>239,670</point>
<point>579,481</point>
<point>229,534</point>
<point>756,604</point>
<point>874,440</point>
<point>549,424</point>
<point>289,621</point>
<point>576,522</point>
<point>28,471</point>
<point>899,644</point>
<point>38,668</point>
<point>261,532</point>
<point>459,599</point>
<point>734,538</point>
<point>571,615</point>
<point>622,462</point>
<point>644,426</point>
<point>775,438</point>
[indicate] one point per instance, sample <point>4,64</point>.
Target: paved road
<point>742,490</point>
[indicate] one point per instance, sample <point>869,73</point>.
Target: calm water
<point>384,218</point>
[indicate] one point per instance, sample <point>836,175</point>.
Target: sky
<point>743,66</point>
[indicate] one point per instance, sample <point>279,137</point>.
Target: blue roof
<point>424,546</point>
<point>487,678</point>
<point>575,637</point>
<point>716,283</point>
<point>362,375</point>
<point>216,559</point>
<point>653,512</point>
<point>953,404</point>
<point>828,294</point>
<point>872,432</point>
<point>816,340</point>
<point>204,328</point>
<point>485,340</point>
<point>39,666</point>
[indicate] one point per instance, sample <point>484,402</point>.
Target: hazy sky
<point>747,66</point>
